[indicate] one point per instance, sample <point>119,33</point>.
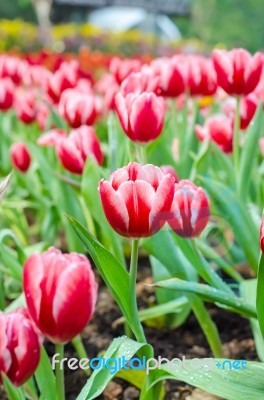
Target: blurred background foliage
<point>227,23</point>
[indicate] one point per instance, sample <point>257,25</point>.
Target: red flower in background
<point>136,199</point>
<point>52,138</point>
<point>13,68</point>
<point>201,77</point>
<point>141,116</point>
<point>80,144</point>
<point>19,346</point>
<point>65,77</point>
<point>61,293</point>
<point>190,210</point>
<point>172,72</point>
<point>25,106</point>
<point>144,81</point>
<point>238,72</point>
<point>6,94</point>
<point>248,107</point>
<point>78,108</point>
<point>122,68</point>
<point>219,129</point>
<point>20,156</point>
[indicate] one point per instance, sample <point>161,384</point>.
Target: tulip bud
<point>136,199</point>
<point>19,346</point>
<point>262,235</point>
<point>6,94</point>
<point>80,144</point>
<point>219,129</point>
<point>65,77</point>
<point>238,72</point>
<point>141,116</point>
<point>61,293</point>
<point>20,156</point>
<point>190,210</point>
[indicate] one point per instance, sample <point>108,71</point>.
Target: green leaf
<point>45,377</point>
<point>249,290</point>
<point>98,381</point>
<point>228,206</point>
<point>230,384</point>
<point>112,271</point>
<point>249,153</point>
<point>12,392</point>
<point>260,292</point>
<point>207,293</point>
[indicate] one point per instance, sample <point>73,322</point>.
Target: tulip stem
<point>236,137</point>
<point>60,390</point>
<point>80,350</point>
<point>137,327</point>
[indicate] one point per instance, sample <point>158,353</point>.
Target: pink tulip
<point>122,68</point>
<point>51,138</point>
<point>190,210</point>
<point>201,77</point>
<point>80,144</point>
<point>6,94</point>
<point>172,75</point>
<point>144,81</point>
<point>219,129</point>
<point>136,199</point>
<point>61,293</point>
<point>141,116</point>
<point>169,169</point>
<point>25,106</point>
<point>13,68</point>
<point>20,156</point>
<point>238,72</point>
<point>78,108</point>
<point>19,346</point>
<point>65,77</point>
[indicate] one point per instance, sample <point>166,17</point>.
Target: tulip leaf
<point>212,295</point>
<point>45,377</point>
<point>249,153</point>
<point>260,292</point>
<point>120,347</point>
<point>227,205</point>
<point>230,380</point>
<point>112,271</point>
<point>13,392</point>
<point>249,290</point>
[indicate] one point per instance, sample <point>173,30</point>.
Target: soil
<point>186,340</point>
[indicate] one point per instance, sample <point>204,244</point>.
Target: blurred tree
<point>22,9</point>
<point>230,23</point>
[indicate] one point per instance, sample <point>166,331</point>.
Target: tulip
<point>80,144</point>
<point>201,77</point>
<point>61,293</point>
<point>136,199</point>
<point>141,116</point>
<point>122,68</point>
<point>219,129</point>
<point>238,72</point>
<point>168,169</point>
<point>262,235</point>
<point>189,211</point>
<point>52,138</point>
<point>248,107</point>
<point>25,106</point>
<point>144,81</point>
<point>20,156</point>
<point>172,75</point>
<point>65,77</point>
<point>6,94</point>
<point>19,346</point>
<point>78,108</point>
<point>13,68</point>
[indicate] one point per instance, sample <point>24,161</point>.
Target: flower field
<point>132,234</point>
